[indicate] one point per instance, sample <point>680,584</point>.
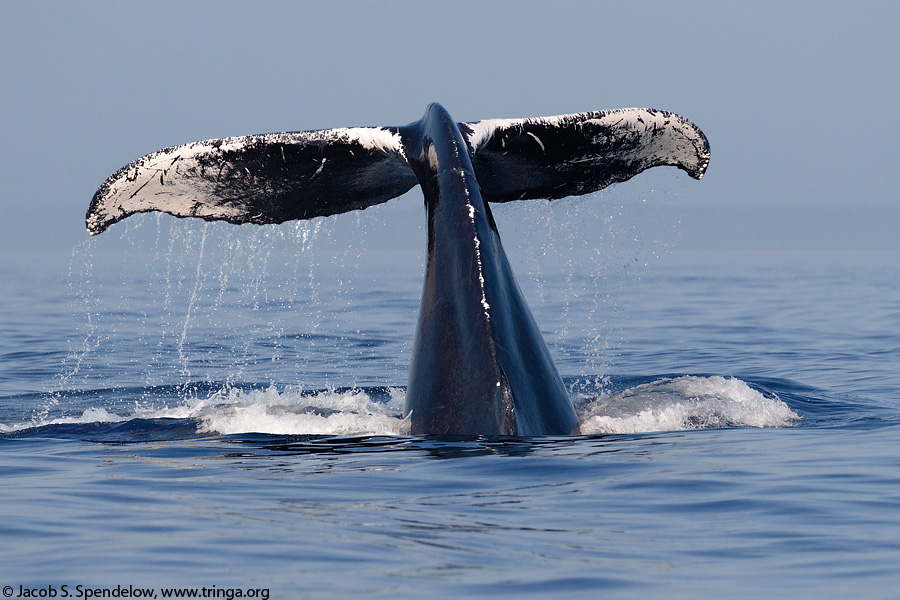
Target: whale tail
<point>479,364</point>
<point>279,177</point>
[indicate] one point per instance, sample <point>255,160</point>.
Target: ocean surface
<point>189,406</point>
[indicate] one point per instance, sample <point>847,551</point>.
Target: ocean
<point>203,410</point>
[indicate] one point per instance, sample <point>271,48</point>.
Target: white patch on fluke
<point>373,138</point>
<point>482,131</point>
<point>538,140</point>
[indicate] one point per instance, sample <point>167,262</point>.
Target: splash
<point>668,404</point>
<point>681,403</point>
<point>291,412</point>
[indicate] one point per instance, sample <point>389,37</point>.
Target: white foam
<point>669,404</point>
<point>684,403</point>
<point>286,412</point>
<point>290,412</point>
<point>90,415</point>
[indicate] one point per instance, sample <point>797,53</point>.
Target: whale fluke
<point>268,178</point>
<point>571,155</point>
<point>479,364</point>
<point>277,177</point>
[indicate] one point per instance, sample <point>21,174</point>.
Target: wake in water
<point>667,404</point>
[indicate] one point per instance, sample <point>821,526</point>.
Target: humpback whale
<point>480,365</point>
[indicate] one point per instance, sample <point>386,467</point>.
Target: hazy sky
<point>798,99</point>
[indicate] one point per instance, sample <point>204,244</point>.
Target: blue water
<point>190,405</point>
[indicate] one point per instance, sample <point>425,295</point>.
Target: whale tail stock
<point>279,177</point>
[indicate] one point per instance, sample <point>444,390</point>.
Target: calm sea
<point>211,408</point>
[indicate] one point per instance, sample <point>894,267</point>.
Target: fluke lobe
<point>479,364</point>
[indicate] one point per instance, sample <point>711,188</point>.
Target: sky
<point>798,99</point>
